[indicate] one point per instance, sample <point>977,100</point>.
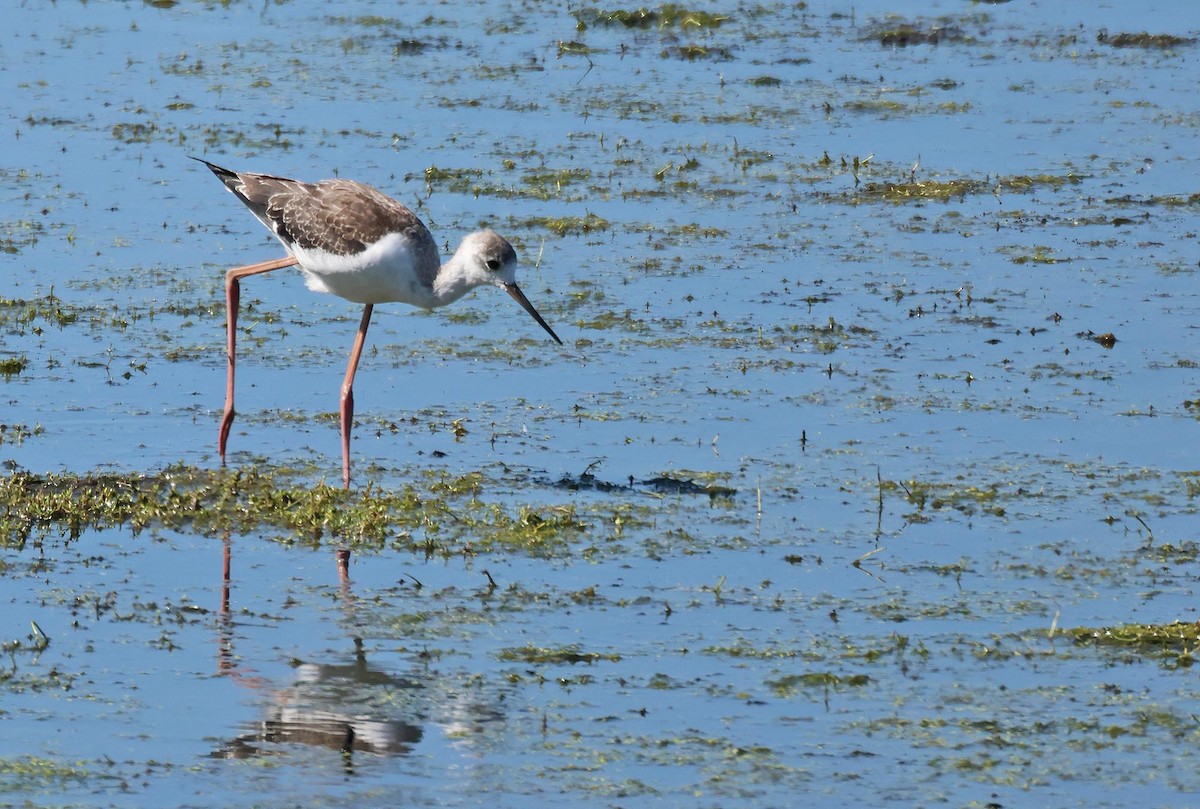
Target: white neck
<point>453,280</point>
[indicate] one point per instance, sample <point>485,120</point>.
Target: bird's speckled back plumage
<point>339,217</point>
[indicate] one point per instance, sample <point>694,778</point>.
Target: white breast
<point>386,271</point>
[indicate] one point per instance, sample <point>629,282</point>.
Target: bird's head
<point>486,257</point>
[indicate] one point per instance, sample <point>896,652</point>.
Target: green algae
<point>554,656</point>
<point>1174,643</point>
<point>1144,40</point>
<point>459,179</point>
<point>17,235</point>
<point>692,53</point>
<point>16,433</point>
<point>1040,255</point>
<point>668,15</point>
<point>547,183</point>
<point>446,518</point>
<point>744,649</point>
<point>941,191</point>
<point>135,132</point>
<point>12,366</point>
<point>22,773</point>
<point>792,685</point>
<point>1165,200</point>
<point>959,188</point>
<point>18,314</point>
<point>965,498</point>
<point>564,225</point>
<point>904,34</point>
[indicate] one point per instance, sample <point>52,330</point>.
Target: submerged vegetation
<point>904,34</point>
<point>444,519</point>
<point>20,313</point>
<point>668,15</point>
<point>1174,644</point>
<point>959,188</point>
<point>17,433</point>
<point>15,236</point>
<point>1143,40</point>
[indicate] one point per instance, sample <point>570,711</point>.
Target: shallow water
<point>937,473</point>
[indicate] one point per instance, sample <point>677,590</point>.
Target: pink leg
<point>348,392</point>
<point>232,296</point>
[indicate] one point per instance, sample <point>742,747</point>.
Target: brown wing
<point>341,217</point>
<point>338,216</point>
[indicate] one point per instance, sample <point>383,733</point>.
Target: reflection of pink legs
<point>232,296</point>
<point>226,660</point>
<point>225,633</point>
<point>226,559</point>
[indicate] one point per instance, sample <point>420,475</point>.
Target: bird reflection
<point>330,706</point>
<point>349,706</point>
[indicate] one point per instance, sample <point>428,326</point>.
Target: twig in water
<point>1149,533</point>
<point>858,563</point>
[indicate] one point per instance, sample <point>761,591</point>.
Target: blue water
<point>751,315</point>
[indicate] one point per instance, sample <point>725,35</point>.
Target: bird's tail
<point>230,178</point>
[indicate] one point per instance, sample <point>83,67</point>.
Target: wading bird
<point>359,244</point>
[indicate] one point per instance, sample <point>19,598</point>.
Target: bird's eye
<point>493,264</point>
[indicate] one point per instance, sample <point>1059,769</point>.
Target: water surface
<point>843,275</point>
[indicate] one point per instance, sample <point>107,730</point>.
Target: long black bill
<point>519,297</point>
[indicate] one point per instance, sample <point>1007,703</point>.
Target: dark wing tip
<point>223,174</point>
